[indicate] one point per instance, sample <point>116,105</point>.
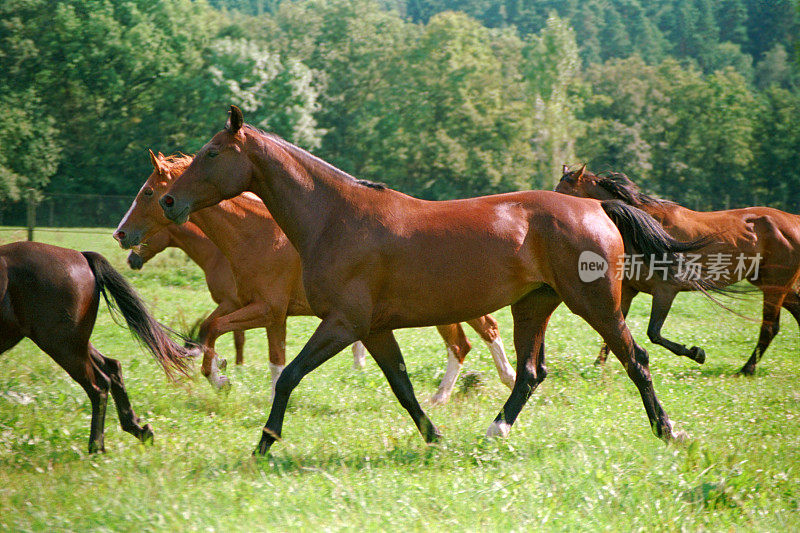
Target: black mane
<point>293,147</point>
<point>626,190</point>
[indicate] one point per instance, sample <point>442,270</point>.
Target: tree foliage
<point>697,100</point>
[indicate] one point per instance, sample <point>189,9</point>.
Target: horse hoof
<point>193,350</point>
<point>439,399</point>
<point>147,435</point>
<point>698,355</point>
<point>746,371</point>
<point>679,437</point>
<point>600,361</point>
<point>498,429</point>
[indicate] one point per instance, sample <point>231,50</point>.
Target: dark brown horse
<point>268,278</point>
<point>762,234</point>
<point>200,249</point>
<point>50,295</point>
<point>375,260</point>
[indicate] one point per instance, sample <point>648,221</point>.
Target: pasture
<point>581,455</point>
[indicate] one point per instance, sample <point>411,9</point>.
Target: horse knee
<point>654,334</point>
<point>287,381</point>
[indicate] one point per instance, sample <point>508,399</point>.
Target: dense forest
<point>698,101</point>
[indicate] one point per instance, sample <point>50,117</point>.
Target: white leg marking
<point>677,436</point>
<point>214,377</point>
<point>275,372</point>
<point>359,355</point>
<point>498,429</point>
<point>504,368</point>
<point>448,381</point>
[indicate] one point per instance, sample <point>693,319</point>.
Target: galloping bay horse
<point>267,273</point>
<point>375,260</point>
<point>767,235</point>
<point>50,295</point>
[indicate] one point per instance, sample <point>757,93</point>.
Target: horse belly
<point>439,288</point>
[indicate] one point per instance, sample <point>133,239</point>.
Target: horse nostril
<point>119,235</point>
<point>169,200</point>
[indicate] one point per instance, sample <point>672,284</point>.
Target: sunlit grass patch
<point>581,455</point>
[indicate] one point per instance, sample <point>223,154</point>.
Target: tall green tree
<point>552,69</point>
<point>465,129</point>
<point>277,95</point>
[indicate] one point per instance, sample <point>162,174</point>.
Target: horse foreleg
<point>458,347</point>
<point>276,337</point>
<point>662,302</point>
<point>238,343</point>
<point>770,325</point>
<point>384,349</point>
<point>628,295</point>
<point>127,417</point>
<point>531,315</point>
<point>489,330</point>
<point>248,317</point>
<point>359,355</point>
<point>332,335</point>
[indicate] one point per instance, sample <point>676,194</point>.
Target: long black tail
<point>152,335</point>
<point>643,234</point>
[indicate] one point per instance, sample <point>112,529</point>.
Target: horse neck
<point>302,193</point>
<point>190,238</point>
<point>230,228</point>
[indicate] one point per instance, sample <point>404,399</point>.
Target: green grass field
<point>580,457</point>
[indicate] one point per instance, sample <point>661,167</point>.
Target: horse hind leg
<point>792,304</point>
<point>78,364</point>
<point>628,294</point>
<point>602,310</point>
<point>769,328</point>
<point>128,420</point>
<point>458,347</point>
<point>531,315</point>
<point>662,303</point>
<point>635,360</point>
<point>488,328</point>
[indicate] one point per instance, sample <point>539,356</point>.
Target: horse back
<point>50,292</point>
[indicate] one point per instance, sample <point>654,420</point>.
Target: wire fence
<point>60,211</point>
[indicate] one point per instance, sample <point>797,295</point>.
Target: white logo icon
<point>591,266</point>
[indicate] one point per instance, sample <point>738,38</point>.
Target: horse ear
<point>579,174</point>
<point>564,168</point>
<point>235,120</point>
<point>154,160</point>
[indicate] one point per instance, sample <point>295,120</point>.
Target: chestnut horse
<point>375,260</point>
<point>767,235</point>
<point>215,266</point>
<point>50,295</point>
<point>267,273</point>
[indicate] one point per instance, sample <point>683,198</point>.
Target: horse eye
<point>148,192</point>
<point>213,153</point>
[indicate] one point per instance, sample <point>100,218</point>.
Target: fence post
<point>31,212</point>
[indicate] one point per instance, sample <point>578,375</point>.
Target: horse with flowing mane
<point>375,260</point>
<point>267,277</point>
<point>764,237</point>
